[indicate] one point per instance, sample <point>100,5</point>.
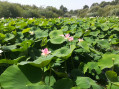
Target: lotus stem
<point>49,75</point>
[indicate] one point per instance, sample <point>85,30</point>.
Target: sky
<point>69,4</point>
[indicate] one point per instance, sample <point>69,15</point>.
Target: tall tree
<point>85,7</point>
<point>94,4</point>
<point>64,9</point>
<point>103,4</point>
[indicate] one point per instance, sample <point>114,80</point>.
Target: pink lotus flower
<point>80,40</point>
<point>67,36</point>
<point>45,52</point>
<point>70,38</point>
<point>59,17</point>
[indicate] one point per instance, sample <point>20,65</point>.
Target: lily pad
<point>63,84</point>
<point>55,33</point>
<point>22,77</point>
<point>40,62</point>
<point>84,45</point>
<point>57,40</point>
<point>112,76</point>
<point>9,36</point>
<point>107,60</point>
<point>65,52</point>
<point>40,33</point>
<point>86,82</point>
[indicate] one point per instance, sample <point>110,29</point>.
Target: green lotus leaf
<point>104,44</point>
<point>104,27</point>
<point>64,28</point>
<point>15,61</point>
<point>44,41</point>
<point>24,46</point>
<point>9,36</point>
<point>43,61</point>
<point>91,66</point>
<point>2,36</point>
<point>24,62</point>
<point>26,30</point>
<point>84,45</point>
<point>102,35</point>
<point>8,61</point>
<point>55,33</point>
<point>62,52</point>
<point>65,52</point>
<point>9,28</point>
<point>21,25</point>
<point>87,33</point>
<point>22,77</point>
<point>64,83</point>
<point>72,47</point>
<point>50,81</point>
<point>95,33</point>
<point>116,83</point>
<point>86,82</point>
<point>93,27</point>
<point>114,86</point>
<point>61,74</point>
<point>78,34</point>
<point>116,28</point>
<point>112,76</point>
<point>89,39</point>
<point>40,33</point>
<point>57,40</point>
<point>9,48</point>
<point>19,35</point>
<point>27,43</point>
<point>73,28</point>
<point>85,26</point>
<point>40,61</point>
<point>107,60</point>
<point>95,51</point>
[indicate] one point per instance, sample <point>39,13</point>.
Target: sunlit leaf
<point>23,77</point>
<point>26,30</point>
<point>112,76</point>
<point>55,33</point>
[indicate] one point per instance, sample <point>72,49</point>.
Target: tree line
<point>14,10</point>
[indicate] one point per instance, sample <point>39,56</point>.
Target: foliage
<point>13,10</point>
<point>38,53</point>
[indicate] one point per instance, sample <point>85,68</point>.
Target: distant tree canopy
<point>94,4</point>
<point>96,9</point>
<point>85,7</point>
<point>16,10</point>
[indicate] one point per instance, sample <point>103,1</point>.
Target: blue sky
<point>70,4</point>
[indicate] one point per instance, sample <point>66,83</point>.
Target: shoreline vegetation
<point>14,10</point>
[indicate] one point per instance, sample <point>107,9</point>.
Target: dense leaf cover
<point>59,53</point>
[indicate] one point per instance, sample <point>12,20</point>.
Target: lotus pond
<point>59,53</point>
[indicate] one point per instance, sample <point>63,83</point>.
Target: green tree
<point>103,4</point>
<point>83,12</point>
<point>85,7</point>
<point>63,9</point>
<point>94,4</point>
<point>94,9</point>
